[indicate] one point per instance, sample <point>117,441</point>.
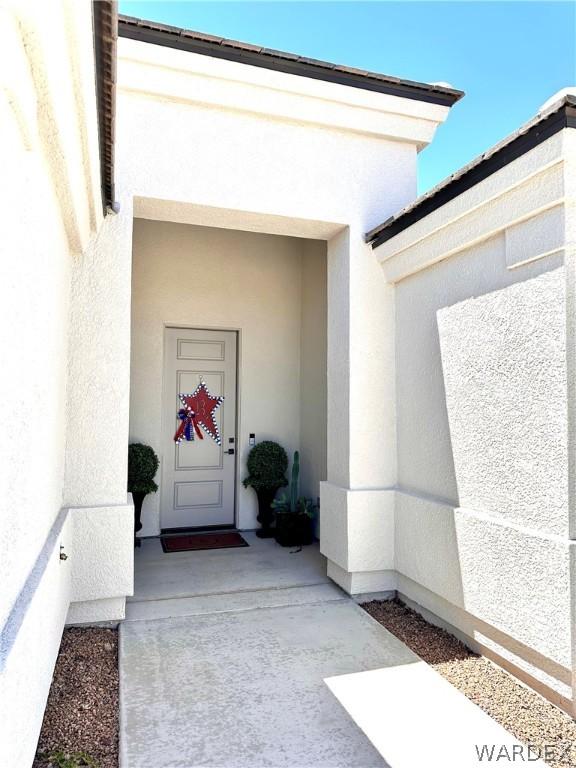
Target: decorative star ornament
<point>198,410</point>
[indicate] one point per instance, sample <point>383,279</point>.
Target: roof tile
<point>279,54</point>
<point>242,46</point>
<point>204,36</point>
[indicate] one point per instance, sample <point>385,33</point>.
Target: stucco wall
<point>272,290</point>
<point>195,109</point>
<point>50,197</point>
<point>504,365</point>
<point>34,273</point>
<point>29,647</point>
<point>50,201</point>
<point>483,501</point>
<point>98,368</point>
<point>97,422</point>
<point>425,463</point>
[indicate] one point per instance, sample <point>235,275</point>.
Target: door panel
<point>198,478</point>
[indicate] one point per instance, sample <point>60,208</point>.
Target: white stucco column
<point>357,500</point>
<point>97,429</point>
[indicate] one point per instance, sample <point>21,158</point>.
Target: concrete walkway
<point>261,661</point>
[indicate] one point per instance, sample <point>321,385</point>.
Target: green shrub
<point>60,759</point>
<point>303,506</point>
<point>267,465</point>
<point>142,466</point>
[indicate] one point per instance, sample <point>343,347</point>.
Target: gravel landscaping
<point>524,713</point>
<point>82,711</point>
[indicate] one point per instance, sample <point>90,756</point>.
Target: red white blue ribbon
<point>187,424</point>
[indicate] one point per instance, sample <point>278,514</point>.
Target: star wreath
<point>198,411</point>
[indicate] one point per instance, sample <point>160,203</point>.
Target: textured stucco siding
<point>358,528</point>
<point>504,365</point>
<point>483,507</point>
<point>52,210</point>
<point>103,554</point>
<point>34,281</point>
<point>26,670</point>
<point>467,558</point>
<point>290,171</point>
<point>425,462</point>
<point>99,367</point>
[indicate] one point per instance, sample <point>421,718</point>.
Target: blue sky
<point>509,57</point>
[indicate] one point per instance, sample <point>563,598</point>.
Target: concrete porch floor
<point>251,657</point>
<point>264,564</point>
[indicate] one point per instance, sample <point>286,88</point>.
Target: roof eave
<point>105,16</point>
<point>280,61</point>
<point>562,115</point>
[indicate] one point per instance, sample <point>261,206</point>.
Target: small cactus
<point>294,483</point>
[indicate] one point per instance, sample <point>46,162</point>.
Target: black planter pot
<point>138,498</point>
<point>265,513</point>
<point>294,530</point>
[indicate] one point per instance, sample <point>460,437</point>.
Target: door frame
<point>204,327</point>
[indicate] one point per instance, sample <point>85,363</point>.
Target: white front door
<point>198,477</point>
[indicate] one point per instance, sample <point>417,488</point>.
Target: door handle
<point>230,451</point>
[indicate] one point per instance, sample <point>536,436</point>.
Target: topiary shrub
<point>267,465</point>
<point>142,467</point>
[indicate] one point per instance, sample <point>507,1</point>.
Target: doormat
<point>196,541</point>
